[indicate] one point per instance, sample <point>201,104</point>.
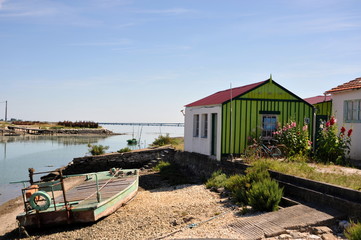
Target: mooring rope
<point>115,174</point>
<point>192,225</point>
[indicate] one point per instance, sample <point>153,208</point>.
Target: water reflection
<point>66,140</point>
<point>45,153</point>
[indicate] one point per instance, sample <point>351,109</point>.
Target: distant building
<point>346,106</point>
<point>221,124</point>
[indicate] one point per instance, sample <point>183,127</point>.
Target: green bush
<point>217,180</point>
<point>354,231</point>
<point>97,149</point>
<point>258,172</point>
<point>238,185</point>
<point>123,150</point>
<point>264,195</point>
<point>162,140</point>
<point>161,165</point>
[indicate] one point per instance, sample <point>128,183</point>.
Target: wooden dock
<point>34,131</point>
<point>275,223</point>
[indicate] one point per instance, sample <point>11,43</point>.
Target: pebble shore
<point>160,211</point>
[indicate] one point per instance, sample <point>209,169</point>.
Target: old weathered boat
<point>78,198</point>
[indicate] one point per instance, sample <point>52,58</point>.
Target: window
<point>352,111</point>
<point>196,125</point>
<point>204,125</point>
<point>269,125</point>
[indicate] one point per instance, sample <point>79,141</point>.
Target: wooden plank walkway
<point>275,223</point>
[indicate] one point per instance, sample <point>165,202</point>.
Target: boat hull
<point>79,213</point>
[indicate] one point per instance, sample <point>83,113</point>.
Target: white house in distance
<point>346,106</point>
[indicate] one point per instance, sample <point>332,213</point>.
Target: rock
<point>321,230</point>
<point>344,224</point>
<point>297,235</point>
<point>284,236</point>
<point>220,190</point>
<point>313,237</point>
<point>328,236</point>
<point>175,222</point>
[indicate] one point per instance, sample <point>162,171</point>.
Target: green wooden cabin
<point>239,113</point>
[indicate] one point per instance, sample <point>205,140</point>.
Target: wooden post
<point>31,173</point>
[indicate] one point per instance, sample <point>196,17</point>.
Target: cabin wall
<point>324,108</point>
<point>200,143</point>
<point>270,90</point>
<point>338,101</point>
<point>242,117</point>
<point>246,120</point>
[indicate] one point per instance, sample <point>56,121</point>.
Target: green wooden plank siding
<point>324,108</point>
<point>269,91</point>
<point>247,120</point>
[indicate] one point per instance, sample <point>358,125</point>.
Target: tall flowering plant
<point>333,145</point>
<point>294,137</point>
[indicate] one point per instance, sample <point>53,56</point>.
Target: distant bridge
<point>147,124</point>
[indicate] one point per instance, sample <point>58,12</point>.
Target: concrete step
<point>275,223</point>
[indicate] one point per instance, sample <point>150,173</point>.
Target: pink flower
<point>309,143</point>
<point>305,128</point>
<point>293,124</point>
<point>349,133</point>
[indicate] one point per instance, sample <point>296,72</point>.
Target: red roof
<point>318,99</point>
<point>354,84</point>
<point>225,95</point>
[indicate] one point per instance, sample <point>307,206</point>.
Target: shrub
<point>258,172</point>
<point>333,147</point>
<point>123,150</point>
<point>162,140</point>
<point>97,149</point>
<point>161,165</point>
<point>80,124</point>
<point>294,138</point>
<point>217,180</point>
<point>265,195</point>
<point>238,185</point>
<point>353,232</point>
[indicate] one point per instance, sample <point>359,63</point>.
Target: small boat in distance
<point>132,141</point>
<point>80,198</point>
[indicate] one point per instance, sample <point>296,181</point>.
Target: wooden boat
<point>78,198</point>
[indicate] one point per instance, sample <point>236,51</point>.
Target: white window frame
<point>268,133</point>
<point>204,125</point>
<point>352,111</point>
<point>196,125</point>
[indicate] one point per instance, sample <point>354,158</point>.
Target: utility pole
<point>6,111</point>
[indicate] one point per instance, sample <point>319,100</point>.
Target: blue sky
<point>142,61</point>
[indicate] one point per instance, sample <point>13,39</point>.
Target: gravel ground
<point>154,214</point>
<point>160,211</point>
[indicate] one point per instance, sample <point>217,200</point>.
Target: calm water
<point>45,153</point>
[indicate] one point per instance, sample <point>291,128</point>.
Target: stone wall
<point>200,167</point>
<point>136,159</point>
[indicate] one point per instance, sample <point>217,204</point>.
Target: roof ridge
<point>353,84</point>
<point>223,96</point>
